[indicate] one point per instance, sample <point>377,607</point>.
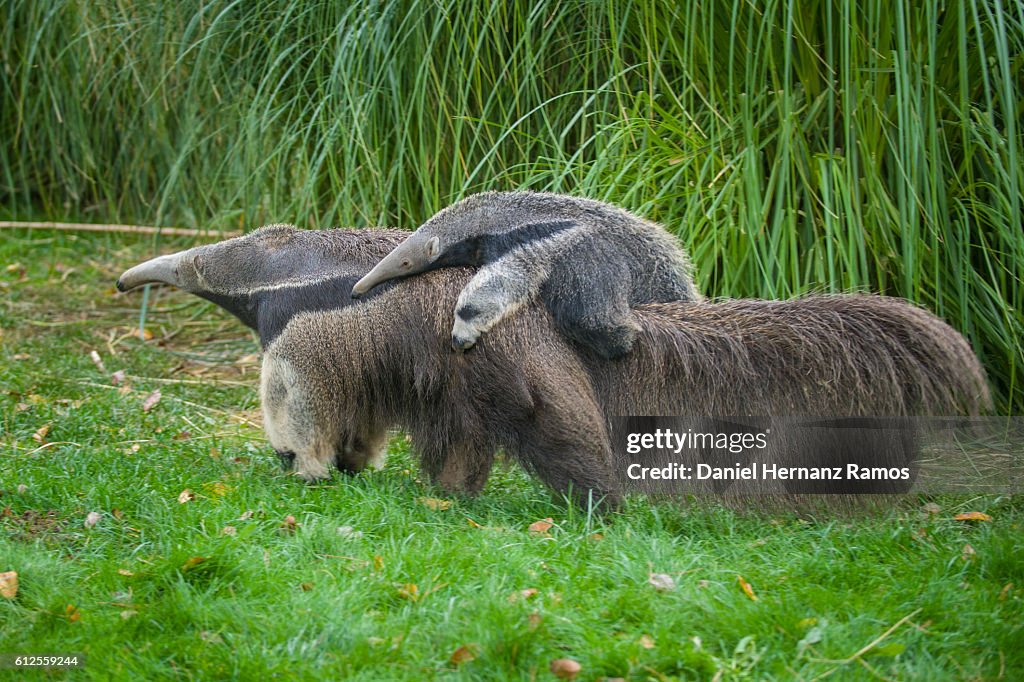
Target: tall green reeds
<point>793,146</point>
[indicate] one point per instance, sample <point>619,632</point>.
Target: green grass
<point>316,603</point>
<point>793,146</point>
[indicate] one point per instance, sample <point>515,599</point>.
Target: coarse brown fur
<point>525,390</point>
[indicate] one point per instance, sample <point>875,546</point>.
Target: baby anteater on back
<point>589,262</point>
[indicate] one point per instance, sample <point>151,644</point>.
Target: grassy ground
<point>372,579</point>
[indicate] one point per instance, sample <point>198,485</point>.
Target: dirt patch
<point>32,524</point>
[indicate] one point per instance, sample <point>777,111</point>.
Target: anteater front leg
<point>566,444</point>
<point>495,292</point>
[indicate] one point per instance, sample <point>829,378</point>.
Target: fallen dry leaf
<point>128,613</point>
<point>972,516</point>
<point>182,435</point>
<point>463,654</point>
<point>217,489</point>
<point>528,593</point>
<point>1005,592</point>
<point>186,495</point>
<point>192,562</point>
<point>117,378</point>
<point>146,335</point>
<point>534,620</point>
<point>747,589</point>
<point>473,523</point>
<point>289,525</point>
<point>246,515</point>
<point>305,587</point>
<point>72,613</point>
<point>409,591</point>
<point>40,435</point>
<point>931,508</point>
<point>542,528</point>
<point>125,572</point>
<point>646,641</point>
<point>434,503</point>
<point>211,637</point>
<point>967,553</point>
<point>22,488</point>
<point>9,584</point>
<point>565,668</point>
<point>662,582</point>
<point>228,530</point>
<point>151,400</point>
<point>91,519</point>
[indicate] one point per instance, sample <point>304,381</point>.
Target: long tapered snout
<point>408,258</point>
<point>163,269</point>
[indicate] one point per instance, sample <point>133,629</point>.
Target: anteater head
<point>420,252</point>
<point>473,232</point>
<point>267,276</point>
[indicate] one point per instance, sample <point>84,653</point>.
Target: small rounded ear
<point>433,247</point>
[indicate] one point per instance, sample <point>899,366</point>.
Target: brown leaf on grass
<point>534,620</point>
<point>305,587</point>
<point>192,562</point>
<point>968,553</point>
<point>646,641</point>
<point>528,593</point>
<point>378,562</point>
<point>972,516</point>
<point>541,527</point>
<point>473,523</point>
<point>186,495</point>
<point>146,335</point>
<point>151,400</point>
<point>22,488</point>
<point>931,508</point>
<point>9,584</point>
<point>128,613</point>
<point>182,435</point>
<point>435,504</point>
<point>289,525</point>
<point>72,612</point>
<point>565,668</point>
<point>118,377</point>
<point>91,519</point>
<point>463,654</point>
<point>246,515</point>
<point>228,530</point>
<point>409,591</point>
<point>747,589</point>
<point>662,582</point>
<point>117,513</point>
<point>40,435</point>
<point>217,489</point>
<point>1005,592</point>
<point>125,572</point>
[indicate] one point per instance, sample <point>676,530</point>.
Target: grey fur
<point>335,378</point>
<point>590,263</point>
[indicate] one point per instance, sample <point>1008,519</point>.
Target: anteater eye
<point>406,264</point>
